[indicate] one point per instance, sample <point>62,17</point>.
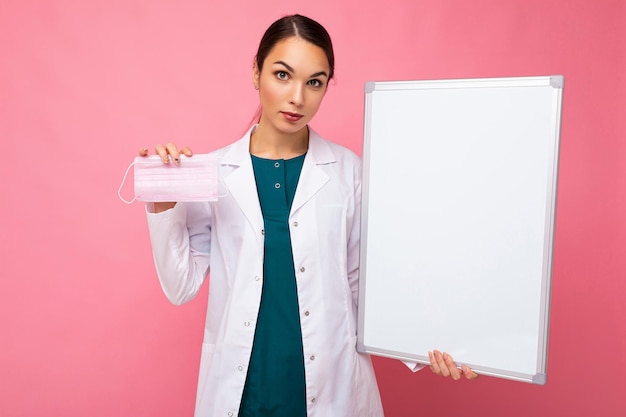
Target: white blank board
<point>459,190</point>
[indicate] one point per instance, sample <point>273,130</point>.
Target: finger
<point>434,366</point>
<point>185,150</point>
<point>441,363</point>
<point>467,371</point>
<point>143,152</point>
<point>455,372</point>
<point>162,152</point>
<point>174,153</point>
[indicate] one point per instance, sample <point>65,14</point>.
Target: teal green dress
<point>275,384</point>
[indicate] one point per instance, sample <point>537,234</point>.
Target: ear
<point>256,75</point>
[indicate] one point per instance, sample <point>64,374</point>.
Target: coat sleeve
<point>181,240</point>
<point>354,236</point>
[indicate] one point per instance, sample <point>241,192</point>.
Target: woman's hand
<point>166,152</point>
<point>442,364</point>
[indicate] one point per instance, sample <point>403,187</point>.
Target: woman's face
<point>292,84</point>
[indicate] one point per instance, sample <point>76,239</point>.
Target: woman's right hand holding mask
<point>169,154</point>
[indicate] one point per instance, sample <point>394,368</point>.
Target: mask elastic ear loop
<point>119,190</point>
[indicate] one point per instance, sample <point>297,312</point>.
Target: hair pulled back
<point>296,25</point>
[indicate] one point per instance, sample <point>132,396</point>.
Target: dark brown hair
<point>296,25</point>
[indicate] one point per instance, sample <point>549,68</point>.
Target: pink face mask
<point>194,179</point>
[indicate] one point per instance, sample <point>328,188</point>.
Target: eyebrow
<point>317,74</point>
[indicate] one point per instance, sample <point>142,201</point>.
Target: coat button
<point>313,400</point>
<point>230,414</point>
<point>240,368</point>
<point>277,185</point>
<point>277,164</point>
<point>257,278</point>
<point>247,324</point>
<point>295,224</point>
<point>302,269</point>
<point>312,357</point>
<point>306,313</point>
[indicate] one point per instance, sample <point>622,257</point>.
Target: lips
<point>292,117</point>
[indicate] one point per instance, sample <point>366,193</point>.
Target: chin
<point>293,127</point>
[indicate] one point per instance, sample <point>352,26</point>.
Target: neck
<point>273,145</point>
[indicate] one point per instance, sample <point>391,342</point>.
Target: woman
<point>283,250</point>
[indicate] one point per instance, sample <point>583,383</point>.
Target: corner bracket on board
<point>369,86</point>
<point>539,379</point>
<point>556,81</point>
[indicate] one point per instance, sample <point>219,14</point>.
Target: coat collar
<point>242,186</point>
<point>238,154</point>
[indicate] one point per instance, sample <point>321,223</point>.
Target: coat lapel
<point>240,182</point>
<point>312,177</point>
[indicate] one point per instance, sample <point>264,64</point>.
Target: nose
<point>297,95</point>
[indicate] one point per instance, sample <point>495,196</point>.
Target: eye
<point>315,83</point>
<point>281,75</point>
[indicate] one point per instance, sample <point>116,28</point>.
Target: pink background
<point>84,327</point>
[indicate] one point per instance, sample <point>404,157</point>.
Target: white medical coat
<point>227,236</point>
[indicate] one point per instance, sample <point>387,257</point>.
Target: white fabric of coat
<point>227,235</point>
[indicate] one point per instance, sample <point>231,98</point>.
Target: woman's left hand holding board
<point>443,364</point>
